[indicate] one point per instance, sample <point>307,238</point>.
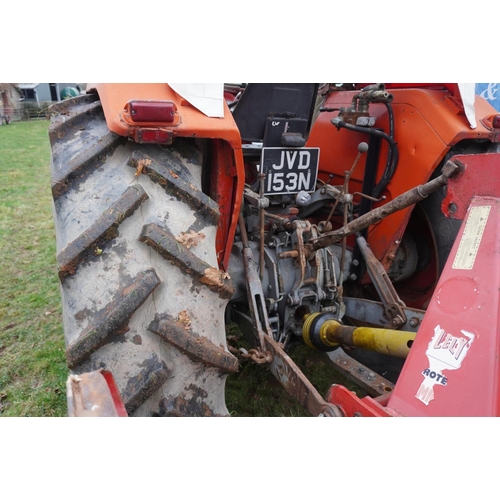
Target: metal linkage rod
<point>399,203</point>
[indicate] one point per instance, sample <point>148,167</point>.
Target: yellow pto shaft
<point>321,331</point>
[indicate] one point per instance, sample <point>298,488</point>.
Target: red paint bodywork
<point>426,124</point>
<point>480,177</point>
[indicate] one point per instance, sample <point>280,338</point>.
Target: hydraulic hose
<point>390,114</point>
<point>393,157</point>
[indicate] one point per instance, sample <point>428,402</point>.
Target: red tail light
<point>496,121</point>
<point>152,111</point>
<point>156,136</point>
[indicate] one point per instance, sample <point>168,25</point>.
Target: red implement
<point>453,366</point>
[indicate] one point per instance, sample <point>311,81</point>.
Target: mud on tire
<point>141,290</point>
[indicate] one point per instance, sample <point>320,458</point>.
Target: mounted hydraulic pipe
<point>357,118</point>
<point>393,157</point>
<point>372,93</point>
<point>322,332</point>
<point>357,113</point>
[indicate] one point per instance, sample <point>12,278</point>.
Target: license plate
<point>290,170</point>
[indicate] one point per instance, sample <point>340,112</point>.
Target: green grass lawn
<point>32,363</point>
<point>33,371</point>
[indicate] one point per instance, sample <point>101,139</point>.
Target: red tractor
<point>361,220</point>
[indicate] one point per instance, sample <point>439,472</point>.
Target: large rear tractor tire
<point>142,293</point>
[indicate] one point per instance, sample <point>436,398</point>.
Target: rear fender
<point>225,163</point>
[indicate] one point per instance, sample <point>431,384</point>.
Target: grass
<point>32,363</point>
<point>254,391</point>
<point>33,371</point>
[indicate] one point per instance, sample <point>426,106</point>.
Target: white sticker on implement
<point>471,238</point>
<point>444,352</point>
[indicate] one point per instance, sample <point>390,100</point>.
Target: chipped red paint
<point>479,177</point>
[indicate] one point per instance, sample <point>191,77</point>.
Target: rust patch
<point>166,245</point>
<point>90,244</point>
<point>176,186</point>
<point>143,385</point>
<point>197,348</point>
<point>112,319</point>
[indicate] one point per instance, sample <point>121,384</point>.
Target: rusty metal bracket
<point>255,294</point>
<point>367,379</point>
<point>364,311</point>
<point>393,305</point>
<point>296,383</point>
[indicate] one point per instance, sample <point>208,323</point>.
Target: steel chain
<point>257,356</point>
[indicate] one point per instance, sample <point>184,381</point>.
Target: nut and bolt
<point>414,322</point>
<point>396,321</point>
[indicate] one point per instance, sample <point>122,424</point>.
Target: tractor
<point>359,219</point>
